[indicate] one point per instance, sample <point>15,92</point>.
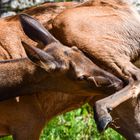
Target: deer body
<point>108,32</point>
<point>38,107</point>
<point>12,34</point>
<point>55,69</point>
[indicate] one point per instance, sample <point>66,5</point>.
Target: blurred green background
<point>74,125</point>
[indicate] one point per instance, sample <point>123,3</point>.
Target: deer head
<point>57,57</point>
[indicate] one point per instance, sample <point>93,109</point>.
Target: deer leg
<point>20,136</point>
<point>25,130</point>
<point>27,134</point>
<point>104,106</point>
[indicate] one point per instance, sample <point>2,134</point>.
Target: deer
<point>107,31</point>
<point>56,68</point>
<point>36,104</point>
<point>55,58</point>
<point>14,48</point>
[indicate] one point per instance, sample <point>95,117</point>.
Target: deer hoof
<point>102,122</point>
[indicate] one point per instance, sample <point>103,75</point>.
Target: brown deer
<point>49,72</point>
<point>37,108</point>
<point>11,47</point>
<point>56,58</point>
<point>108,32</point>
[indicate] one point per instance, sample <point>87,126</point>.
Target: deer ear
<point>35,30</point>
<point>40,57</point>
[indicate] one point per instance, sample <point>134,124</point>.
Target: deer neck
<point>56,103</point>
<point>15,75</point>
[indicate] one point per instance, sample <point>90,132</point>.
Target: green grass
<point>75,125</point>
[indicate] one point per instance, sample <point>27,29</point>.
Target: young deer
<point>42,106</point>
<point>61,64</point>
<point>51,72</point>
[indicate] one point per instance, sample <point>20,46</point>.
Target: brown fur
<point>63,67</point>
<point>34,113</point>
<point>11,33</point>
<point>108,32</point>
<point>108,48</point>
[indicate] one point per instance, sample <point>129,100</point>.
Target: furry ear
<point>35,30</point>
<point>40,57</point>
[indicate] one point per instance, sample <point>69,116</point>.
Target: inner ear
<point>35,30</point>
<point>40,58</point>
<point>37,55</point>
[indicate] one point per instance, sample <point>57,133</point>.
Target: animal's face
<point>60,58</point>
